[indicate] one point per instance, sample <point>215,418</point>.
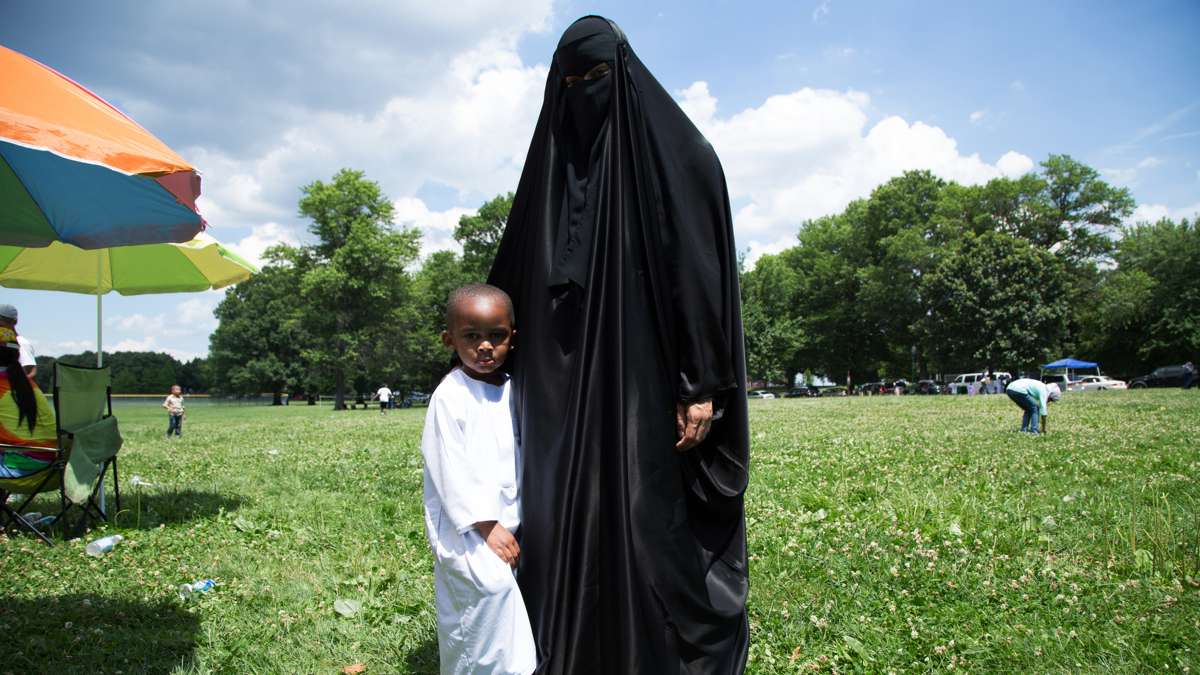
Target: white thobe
<point>471,475</point>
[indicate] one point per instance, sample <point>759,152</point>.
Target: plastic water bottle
<point>101,546</point>
<point>202,586</point>
<point>43,521</point>
<point>32,516</point>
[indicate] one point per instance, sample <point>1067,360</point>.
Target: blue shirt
<point>1034,388</point>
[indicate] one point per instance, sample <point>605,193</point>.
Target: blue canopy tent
<point>1071,365</point>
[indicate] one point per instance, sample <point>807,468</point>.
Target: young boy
<point>174,405</point>
<point>472,494</point>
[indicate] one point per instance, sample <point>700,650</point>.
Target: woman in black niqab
<point>620,259</point>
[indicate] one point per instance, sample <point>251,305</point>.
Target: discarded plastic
<point>32,516</point>
<point>202,586</point>
<point>44,521</point>
<point>104,545</point>
<point>138,481</point>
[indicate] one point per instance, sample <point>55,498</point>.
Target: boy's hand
<point>692,421</point>
<point>500,540</point>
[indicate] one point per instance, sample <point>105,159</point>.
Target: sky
<point>809,103</point>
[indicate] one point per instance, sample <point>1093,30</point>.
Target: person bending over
<point>1033,398</point>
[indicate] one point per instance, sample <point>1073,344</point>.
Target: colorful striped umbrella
<point>75,169</point>
<point>197,265</point>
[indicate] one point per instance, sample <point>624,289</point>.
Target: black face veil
<point>619,257</point>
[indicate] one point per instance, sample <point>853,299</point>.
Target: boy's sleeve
<point>463,484</point>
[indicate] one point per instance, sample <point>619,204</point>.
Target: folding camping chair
<point>88,441</point>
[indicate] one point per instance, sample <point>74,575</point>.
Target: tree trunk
<point>339,395</point>
<point>312,399</point>
<point>277,398</point>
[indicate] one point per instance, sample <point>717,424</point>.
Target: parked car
<point>1096,383</point>
<point>1165,376</point>
<point>962,383</point>
<point>1064,382</point>
<point>760,393</point>
<point>802,392</point>
<point>416,398</point>
<point>833,391</point>
<point>874,388</point>
<point>900,387</point>
<point>927,387</point>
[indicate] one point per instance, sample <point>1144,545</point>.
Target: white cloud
<point>1014,164</point>
<point>1125,176</point>
<point>150,343</point>
<point>261,237</point>
<point>60,347</point>
<point>470,132</point>
<point>196,314</point>
<point>820,11</point>
<point>808,153</point>
<point>977,116</point>
<point>436,226</point>
<point>1121,177</point>
<point>1152,213</point>
<point>137,323</point>
<point>141,332</point>
<point>1016,86</point>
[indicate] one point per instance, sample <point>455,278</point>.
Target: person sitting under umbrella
<point>28,440</point>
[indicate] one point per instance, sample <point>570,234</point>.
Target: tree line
<point>135,372</point>
<point>924,276</point>
<point>927,277</point>
<point>356,308</point>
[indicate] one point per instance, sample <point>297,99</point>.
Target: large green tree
<point>996,301</point>
<point>480,235</point>
<point>354,276</point>
<point>1147,309</point>
<point>257,344</point>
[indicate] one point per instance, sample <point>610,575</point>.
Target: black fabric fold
<point>633,555</point>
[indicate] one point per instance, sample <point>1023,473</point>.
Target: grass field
<point>886,534</point>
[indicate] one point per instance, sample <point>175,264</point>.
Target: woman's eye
<point>597,72</point>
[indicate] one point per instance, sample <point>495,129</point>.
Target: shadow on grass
<point>85,633</point>
<point>424,659</point>
<point>171,507</point>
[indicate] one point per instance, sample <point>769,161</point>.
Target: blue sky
<point>809,104</point>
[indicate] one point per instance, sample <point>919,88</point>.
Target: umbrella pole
<point>99,331</point>
<point>100,356</point>
<point>99,313</point>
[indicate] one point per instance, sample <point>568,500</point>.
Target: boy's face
<point>481,333</point>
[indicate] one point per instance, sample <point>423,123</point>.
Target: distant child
<point>385,397</point>
<point>174,405</point>
<point>472,493</point>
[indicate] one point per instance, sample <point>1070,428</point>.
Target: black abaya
<point>620,259</point>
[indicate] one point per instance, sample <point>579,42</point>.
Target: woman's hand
<point>692,421</point>
<point>500,540</point>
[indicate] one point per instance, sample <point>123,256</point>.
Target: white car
<point>760,393</point>
<point>962,383</point>
<point>1097,383</point>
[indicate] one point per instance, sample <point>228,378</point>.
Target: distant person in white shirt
<point>1033,397</point>
<point>8,319</point>
<point>385,396</point>
<point>472,493</point>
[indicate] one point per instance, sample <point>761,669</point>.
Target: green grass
<point>886,534</point>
